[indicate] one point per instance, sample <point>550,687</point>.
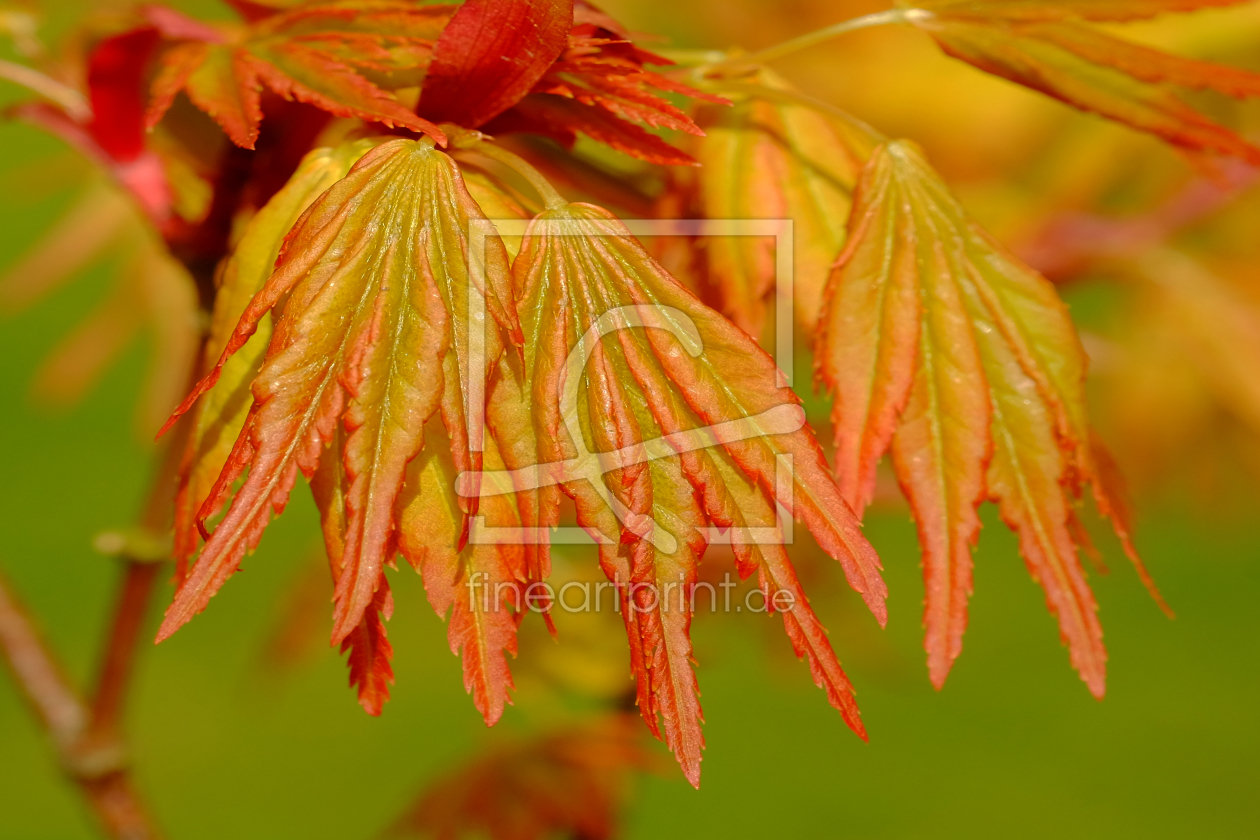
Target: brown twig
<point>118,657</point>
<point>101,775</point>
<point>139,575</point>
<point>89,739</point>
<point>38,674</point>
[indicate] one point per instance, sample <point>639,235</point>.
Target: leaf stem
<point>791,97</point>
<point>550,196</point>
<point>71,101</point>
<point>819,36</point>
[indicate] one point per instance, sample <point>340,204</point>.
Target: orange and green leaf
<point>480,585</point>
<point>1044,46</point>
<point>217,419</point>
<point>374,283</point>
<point>660,418</point>
<point>770,158</point>
<point>941,345</point>
<point>369,649</point>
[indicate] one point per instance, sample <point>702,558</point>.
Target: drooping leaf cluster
<point>460,361</point>
<point>946,349</point>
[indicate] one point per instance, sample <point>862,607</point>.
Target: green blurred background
<point>1014,746</point>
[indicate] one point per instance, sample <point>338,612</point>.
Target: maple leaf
<point>770,157</point>
<point>479,586</point>
<point>943,347</point>
<point>366,643</point>
<point>371,341</point>
<point>570,782</point>
<point>322,54</point>
<point>674,422</point>
<point>596,84</point>
<point>217,420</point>
<point>490,55</point>
<point>1043,46</point>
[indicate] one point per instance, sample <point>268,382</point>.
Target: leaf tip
<point>877,603</point>
<point>373,703</point>
<point>1097,686</point>
<point>171,623</point>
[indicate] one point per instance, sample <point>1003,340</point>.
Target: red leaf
<point>567,783</point>
<point>299,54</point>
<point>558,113</point>
<point>116,75</point>
<point>599,87</point>
<point>490,55</point>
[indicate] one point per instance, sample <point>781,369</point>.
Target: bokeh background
<point>230,742</point>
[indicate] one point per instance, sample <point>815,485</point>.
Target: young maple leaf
<point>770,157</point>
<point>333,55</point>
<point>567,783</point>
<point>369,650</point>
<point>490,55</point>
<point>217,419</point>
<point>939,344</point>
<point>1044,46</point>
<point>660,418</point>
<point>557,68</point>
<point>371,339</point>
<point>479,585</point>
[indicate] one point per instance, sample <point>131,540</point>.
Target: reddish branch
<point>99,767</point>
<point>118,656</point>
<point>88,738</point>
